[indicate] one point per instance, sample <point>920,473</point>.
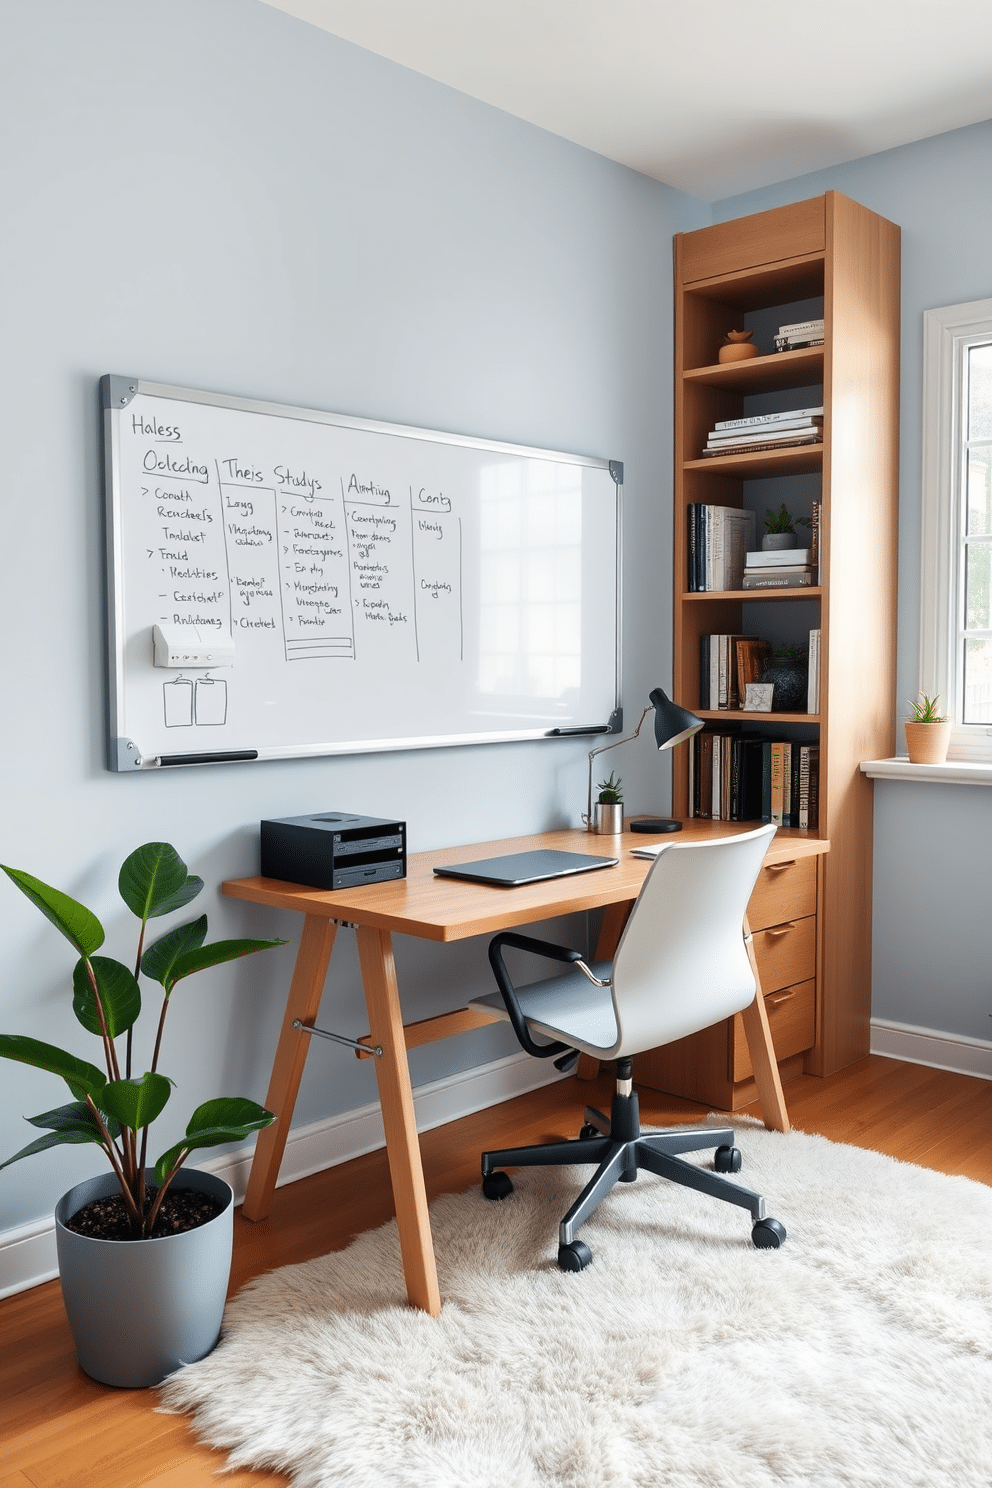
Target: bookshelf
<point>827,256</point>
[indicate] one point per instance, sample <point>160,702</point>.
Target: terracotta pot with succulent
<point>780,528</point>
<point>608,819</point>
<point>928,733</point>
<point>144,1253</point>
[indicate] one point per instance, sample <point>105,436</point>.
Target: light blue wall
<point>222,197</point>
<point>932,966</point>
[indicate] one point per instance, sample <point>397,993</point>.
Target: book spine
<point>756,448</point>
<point>798,326</point>
<point>813,685</point>
<point>714,671</point>
<point>770,431</point>
<point>803,786</point>
<point>704,542</point>
<point>723,692</point>
<point>690,527</point>
<point>766,781</point>
<point>814,787</point>
<point>783,581</point>
<point>704,671</point>
<point>693,750</point>
<point>777,784</point>
<point>759,419</point>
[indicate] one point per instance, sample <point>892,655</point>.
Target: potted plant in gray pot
<point>144,1252</point>
<point>780,529</point>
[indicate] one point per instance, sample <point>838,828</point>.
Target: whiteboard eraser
<point>176,646</point>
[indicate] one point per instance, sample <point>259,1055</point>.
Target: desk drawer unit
<point>714,1066</point>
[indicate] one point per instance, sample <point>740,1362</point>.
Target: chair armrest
<point>508,991</point>
<point>537,947</point>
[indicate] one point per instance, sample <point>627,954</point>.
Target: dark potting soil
<point>182,1209</point>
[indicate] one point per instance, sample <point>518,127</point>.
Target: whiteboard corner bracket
<point>117,391</point>
<point>616,470</point>
<point>125,755</point>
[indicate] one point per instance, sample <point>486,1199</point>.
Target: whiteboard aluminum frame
<point>123,754</point>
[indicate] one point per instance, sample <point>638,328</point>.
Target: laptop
<point>525,867</point>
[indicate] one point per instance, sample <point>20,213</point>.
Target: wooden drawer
<point>784,891</point>
<point>792,1020</point>
<point>786,954</point>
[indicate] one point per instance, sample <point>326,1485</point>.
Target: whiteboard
<point>351,585</point>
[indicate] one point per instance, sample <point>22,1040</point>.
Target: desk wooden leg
<point>303,1002</point>
<point>762,1051</point>
<point>615,916</point>
<point>375,954</point>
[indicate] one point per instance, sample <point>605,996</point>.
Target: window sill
<point>952,772</point>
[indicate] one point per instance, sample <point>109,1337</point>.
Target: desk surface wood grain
<point>446,909</point>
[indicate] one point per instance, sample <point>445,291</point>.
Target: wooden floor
<point>61,1430</point>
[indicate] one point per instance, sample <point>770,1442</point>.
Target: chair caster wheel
<point>727,1160</point>
<point>497,1186</point>
<point>575,1256</point>
<point>588,1131</point>
<point>768,1234</point>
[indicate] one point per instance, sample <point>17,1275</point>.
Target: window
<point>956,569</point>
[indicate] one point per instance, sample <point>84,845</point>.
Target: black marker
<point>208,759</point>
<point>596,728</point>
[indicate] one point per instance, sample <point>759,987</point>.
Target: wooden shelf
<point>796,459</point>
<point>808,591</point>
<point>723,715</point>
<point>785,369</point>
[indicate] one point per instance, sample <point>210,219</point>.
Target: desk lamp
<point>672,725</point>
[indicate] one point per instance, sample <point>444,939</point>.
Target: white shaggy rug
<point>858,1354</point>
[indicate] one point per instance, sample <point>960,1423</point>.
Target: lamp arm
<point>587,819</point>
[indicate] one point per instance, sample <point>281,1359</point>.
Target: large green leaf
<point>180,898</point>
<point>76,1116</point>
<point>79,926</point>
<point>150,877</point>
<point>226,1119</point>
<point>160,958</point>
<point>71,1137</point>
<point>81,1077</point>
<point>214,955</point>
<point>136,1103</point>
<point>118,992</point>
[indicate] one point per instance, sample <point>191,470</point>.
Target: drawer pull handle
<point>778,867</point>
<point>776,997</point>
<point>781,929</point>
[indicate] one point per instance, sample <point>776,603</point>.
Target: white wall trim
<point>27,1252</point>
<point>954,1052</point>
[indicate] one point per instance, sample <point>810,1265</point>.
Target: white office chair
<point>682,964</point>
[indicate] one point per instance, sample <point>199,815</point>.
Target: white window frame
<point>948,332</point>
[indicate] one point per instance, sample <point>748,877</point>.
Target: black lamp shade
<point>672,724</point>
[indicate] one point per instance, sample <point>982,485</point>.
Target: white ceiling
<point>712,96</point>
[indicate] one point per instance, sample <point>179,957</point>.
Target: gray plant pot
<point>138,1309</point>
<point>774,541</point>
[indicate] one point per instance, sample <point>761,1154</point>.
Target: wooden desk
<point>445,909</point>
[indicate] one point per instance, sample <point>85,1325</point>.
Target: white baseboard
<point>963,1056</point>
<point>27,1253</point>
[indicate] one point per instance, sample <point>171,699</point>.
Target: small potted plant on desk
<point>144,1253</point>
<point>928,732</point>
<point>608,818</point>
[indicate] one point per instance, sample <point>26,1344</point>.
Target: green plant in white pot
<point>134,1264</point>
<point>928,732</point>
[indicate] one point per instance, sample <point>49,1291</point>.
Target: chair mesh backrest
<point>682,964</point>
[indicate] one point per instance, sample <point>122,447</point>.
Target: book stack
<point>780,568</point>
<point>741,777</point>
<point>727,663</point>
<point>719,537</point>
<point>799,333</point>
<point>765,431</point>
